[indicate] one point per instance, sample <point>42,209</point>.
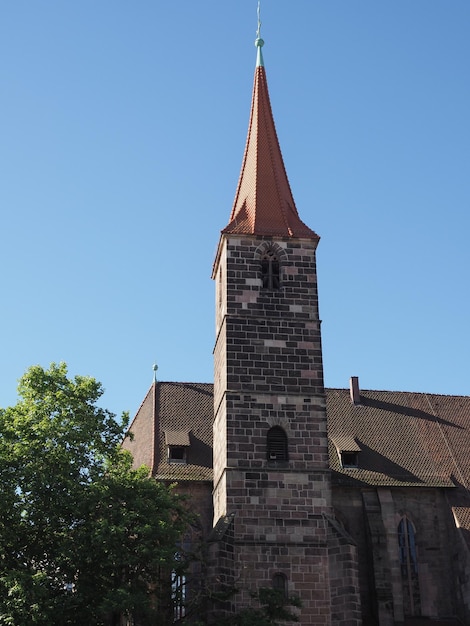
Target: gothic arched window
<point>277,449</point>
<point>409,567</point>
<point>270,270</point>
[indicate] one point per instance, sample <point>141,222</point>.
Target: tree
<point>83,536</point>
<point>271,608</point>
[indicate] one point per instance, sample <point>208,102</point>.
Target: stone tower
<point>272,496</point>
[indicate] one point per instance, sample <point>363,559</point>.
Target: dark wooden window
<point>270,270</point>
<point>277,449</point>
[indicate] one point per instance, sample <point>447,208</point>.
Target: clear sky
<point>121,138</point>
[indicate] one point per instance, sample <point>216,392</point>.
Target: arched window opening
<point>179,582</point>
<point>277,449</point>
<point>280,583</point>
<point>270,270</point>
<point>178,593</point>
<point>409,567</point>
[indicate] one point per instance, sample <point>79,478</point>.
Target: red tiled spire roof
<point>264,204</point>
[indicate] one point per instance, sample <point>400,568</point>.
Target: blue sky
<point>121,137</point>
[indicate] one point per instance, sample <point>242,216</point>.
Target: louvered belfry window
<point>270,270</point>
<point>277,444</point>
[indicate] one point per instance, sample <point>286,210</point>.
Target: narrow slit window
<point>277,448</point>
<point>280,583</point>
<point>270,270</point>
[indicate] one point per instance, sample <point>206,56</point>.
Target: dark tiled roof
<point>177,438</point>
<point>344,443</point>
<point>188,408</point>
<point>404,439</point>
<point>462,516</point>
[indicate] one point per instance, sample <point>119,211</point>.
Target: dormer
<point>347,449</point>
<point>177,443</point>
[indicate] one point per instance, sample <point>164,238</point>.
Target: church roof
<point>264,204</point>
<point>174,414</point>
<point>402,439</point>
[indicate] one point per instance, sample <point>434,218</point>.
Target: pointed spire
<point>264,204</point>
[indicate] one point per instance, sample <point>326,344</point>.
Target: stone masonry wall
<point>344,577</point>
<point>268,372</point>
<point>142,445</point>
<point>379,511</point>
<point>305,566</point>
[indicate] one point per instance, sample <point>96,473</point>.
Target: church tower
<point>272,495</point>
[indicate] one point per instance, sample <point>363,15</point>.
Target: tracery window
<point>277,448</point>
<point>178,592</point>
<point>409,567</point>
<point>270,270</point>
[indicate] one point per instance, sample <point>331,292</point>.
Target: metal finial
<point>259,43</point>
<point>258,32</point>
<point>155,368</point>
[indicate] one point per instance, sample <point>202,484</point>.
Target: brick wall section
<point>199,500</point>
<point>142,446</point>
<point>348,509</point>
<point>378,553</point>
<point>305,566</point>
<point>268,372</point>
<point>220,570</point>
<point>344,577</point>
<point>273,337</point>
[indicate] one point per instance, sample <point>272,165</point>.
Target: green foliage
<point>271,608</point>
<point>83,536</point>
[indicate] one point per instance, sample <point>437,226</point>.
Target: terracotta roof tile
<point>264,204</point>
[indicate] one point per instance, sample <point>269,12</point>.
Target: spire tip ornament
<point>259,43</point>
